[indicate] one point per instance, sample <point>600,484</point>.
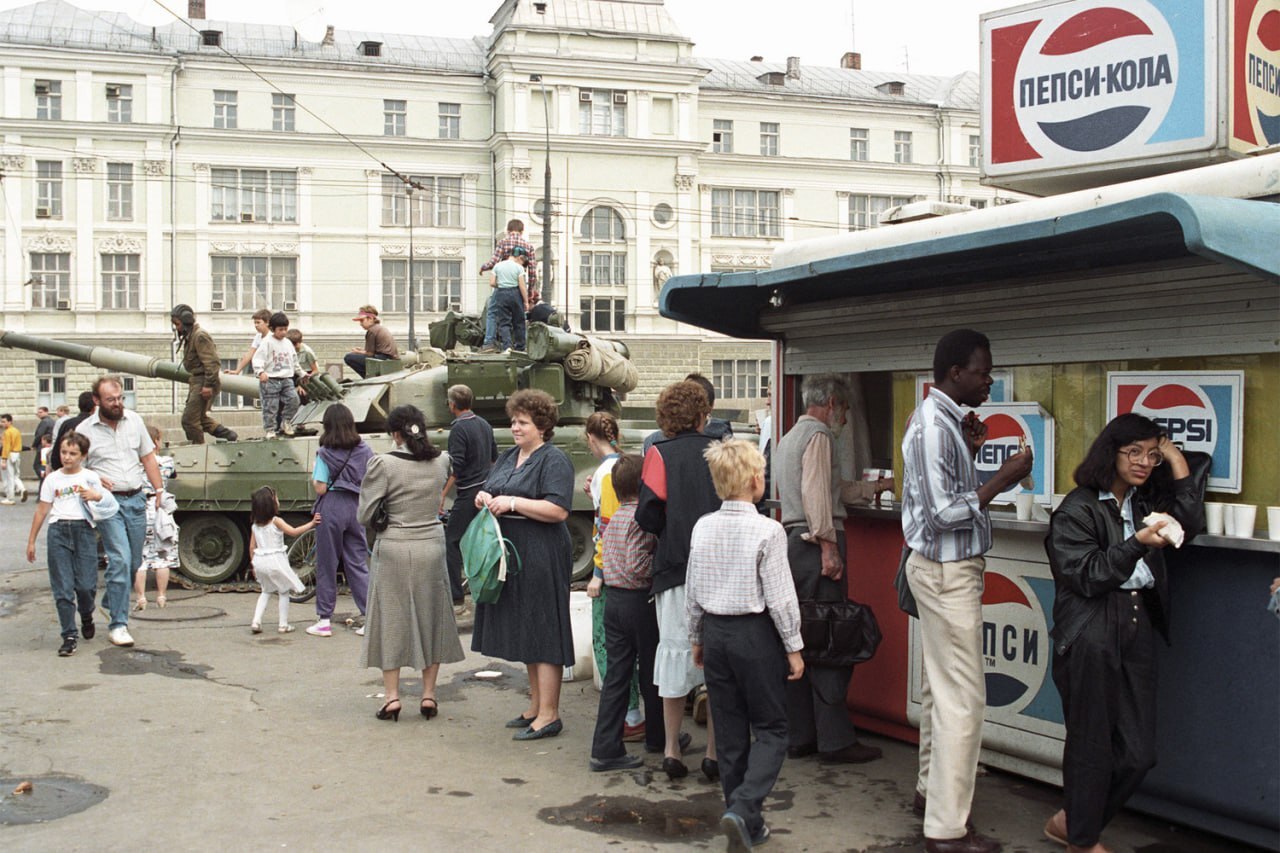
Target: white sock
<point>284,609</point>
<point>260,608</point>
<point>323,623</point>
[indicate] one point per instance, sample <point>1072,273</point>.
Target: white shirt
<point>63,491</point>
<point>116,454</point>
<point>277,357</point>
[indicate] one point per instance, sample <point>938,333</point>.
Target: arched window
<point>602,271</point>
<point>602,224</point>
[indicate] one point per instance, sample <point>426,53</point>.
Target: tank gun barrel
<point>122,361</point>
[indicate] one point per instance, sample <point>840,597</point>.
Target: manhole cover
<point>176,613</point>
<point>50,798</point>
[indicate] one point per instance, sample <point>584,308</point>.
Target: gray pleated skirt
<point>410,622</point>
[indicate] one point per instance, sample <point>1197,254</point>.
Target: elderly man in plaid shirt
<point>506,246</point>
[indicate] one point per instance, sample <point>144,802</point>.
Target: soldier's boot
<point>225,434</point>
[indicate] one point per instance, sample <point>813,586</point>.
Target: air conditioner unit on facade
<point>64,304</point>
<point>290,305</point>
<point>584,97</point>
<point>113,91</point>
<point>215,305</point>
<point>246,217</point>
<point>42,88</point>
<point>43,213</point>
<point>619,97</point>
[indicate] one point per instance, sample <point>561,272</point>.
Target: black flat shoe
<point>674,768</point>
<point>520,722</point>
<point>385,712</point>
<point>551,729</point>
<point>711,769</point>
<point>684,740</point>
<point>431,710</point>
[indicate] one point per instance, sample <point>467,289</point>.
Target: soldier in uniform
<point>200,359</point>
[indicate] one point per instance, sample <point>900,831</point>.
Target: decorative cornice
<point>13,162</point>
<point>84,164</point>
<point>684,183</point>
<point>240,247</point>
<point>521,174</point>
<point>304,171</point>
<point>842,193</point>
<point>788,191</point>
<point>200,168</point>
<point>47,242</point>
<point>155,168</point>
<point>471,177</point>
<point>120,244</point>
<point>400,250</point>
<point>373,173</point>
<point>758,261</point>
<point>704,188</point>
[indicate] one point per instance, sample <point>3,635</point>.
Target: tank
<point>214,480</point>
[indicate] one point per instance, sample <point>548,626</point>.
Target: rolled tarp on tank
<point>597,361</point>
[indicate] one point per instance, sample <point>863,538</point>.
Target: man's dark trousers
<point>460,517</point>
<point>630,634</point>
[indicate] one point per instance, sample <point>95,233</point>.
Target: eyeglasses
<point>112,399</point>
<point>1136,455</point>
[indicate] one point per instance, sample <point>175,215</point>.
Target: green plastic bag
<point>485,558</point>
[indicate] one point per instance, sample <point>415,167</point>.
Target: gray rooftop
<point>960,91</point>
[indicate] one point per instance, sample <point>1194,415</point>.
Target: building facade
<point>233,166</point>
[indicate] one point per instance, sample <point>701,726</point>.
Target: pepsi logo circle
<point>1184,412</point>
<point>1262,73</point>
<point>1101,78</point>
<point>1015,642</point>
<point>1005,434</point>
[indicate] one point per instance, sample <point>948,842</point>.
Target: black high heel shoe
<point>384,713</point>
<point>431,710</point>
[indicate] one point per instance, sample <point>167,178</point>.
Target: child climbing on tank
<point>269,558</point>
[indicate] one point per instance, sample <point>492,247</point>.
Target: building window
<point>48,189</point>
<point>50,280</point>
<point>254,195</point>
<point>119,103</point>
<point>394,118</point>
<point>438,285</point>
<point>129,388</point>
<point>120,191</point>
<point>602,225</point>
<point>902,146</point>
<point>282,112</point>
<point>740,378</point>
<point>450,121</point>
<point>51,382</point>
<point>975,150</point>
<point>603,269</point>
<point>602,112</point>
<point>769,138</point>
<point>245,283</point>
<point>721,136</point>
<point>226,399</point>
<point>224,109</point>
<point>978,203</point>
<point>744,213</point>
<point>603,314</point>
<point>121,282</point>
<point>858,149</point>
<point>438,204</point>
<point>48,100</point>
<point>865,210</point>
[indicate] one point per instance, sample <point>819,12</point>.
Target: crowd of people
<point>695,586</point>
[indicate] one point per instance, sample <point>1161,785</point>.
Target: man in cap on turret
<point>200,360</point>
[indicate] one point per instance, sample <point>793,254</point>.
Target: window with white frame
<point>121,282</point>
<point>745,213</point>
<point>225,115</point>
<point>436,283</point>
<point>226,399</point>
<point>902,146</point>
<point>50,279</point>
<point>437,201</point>
<point>602,112</point>
<point>975,150</point>
<point>253,195</point>
<point>978,203</point>
<point>450,116</point>
<point>858,144</point>
<point>48,100</point>
<point>740,378</point>
<point>722,136</point>
<point>601,264</point>
<point>395,117</point>
<point>248,283</point>
<point>865,210</point>
<point>603,314</point>
<point>120,191</point>
<point>119,103</point>
<point>769,138</point>
<point>129,390</point>
<point>48,189</point>
<point>51,382</point>
<point>283,112</point>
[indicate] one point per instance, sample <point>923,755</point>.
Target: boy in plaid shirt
<point>630,626</point>
<point>744,625</point>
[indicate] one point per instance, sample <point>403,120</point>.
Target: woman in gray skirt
<point>410,618</point>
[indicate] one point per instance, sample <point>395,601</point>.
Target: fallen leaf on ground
<point>24,787</point>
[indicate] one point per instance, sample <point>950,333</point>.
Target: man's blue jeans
<point>73,572</point>
<point>122,536</point>
<point>504,320</point>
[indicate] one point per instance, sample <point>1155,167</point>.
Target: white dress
<point>271,561</point>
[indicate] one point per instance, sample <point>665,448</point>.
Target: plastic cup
<point>1213,518</point>
<point>1243,517</point>
<point>1023,503</point>
<point>1273,523</point>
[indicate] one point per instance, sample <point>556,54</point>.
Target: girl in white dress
<point>269,557</point>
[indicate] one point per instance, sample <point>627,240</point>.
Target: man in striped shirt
<point>946,526</point>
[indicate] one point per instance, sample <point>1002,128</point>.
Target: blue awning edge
<point>1240,233</point>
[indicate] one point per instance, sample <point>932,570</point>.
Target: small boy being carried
<point>744,625</point>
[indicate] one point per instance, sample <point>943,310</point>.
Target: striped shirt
<point>942,518</point>
<point>738,566</point>
<point>627,551</point>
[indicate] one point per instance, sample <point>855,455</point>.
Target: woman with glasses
<point>1111,599</point>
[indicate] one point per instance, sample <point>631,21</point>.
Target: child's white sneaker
<point>285,629</point>
<point>255,628</point>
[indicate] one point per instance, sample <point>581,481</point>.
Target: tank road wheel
<point>211,547</point>
<point>302,557</point>
<point>583,549</point>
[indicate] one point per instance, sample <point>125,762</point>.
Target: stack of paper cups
<point>1243,517</point>
<point>1273,523</point>
<point>1213,519</point>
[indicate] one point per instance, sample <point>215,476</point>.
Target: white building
<point>234,166</point>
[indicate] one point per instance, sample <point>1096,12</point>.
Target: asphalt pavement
<point>206,737</point>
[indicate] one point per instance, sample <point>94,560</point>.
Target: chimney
<point>793,68</point>
<point>851,60</point>
<point>195,10</point>
<point>328,37</point>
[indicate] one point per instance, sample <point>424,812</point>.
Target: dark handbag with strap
<point>906,599</point>
<point>838,633</point>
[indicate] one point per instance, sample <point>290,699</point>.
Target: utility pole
<point>413,340</point>
<point>547,295</point>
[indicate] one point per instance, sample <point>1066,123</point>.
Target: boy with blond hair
<point>744,625</point>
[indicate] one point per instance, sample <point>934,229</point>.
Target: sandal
<point>160,601</point>
<point>140,604</point>
<point>431,710</point>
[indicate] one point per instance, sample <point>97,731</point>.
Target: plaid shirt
<point>628,550</point>
<point>513,240</point>
<point>737,566</point>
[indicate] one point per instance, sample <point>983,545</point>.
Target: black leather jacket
<point>1090,556</point>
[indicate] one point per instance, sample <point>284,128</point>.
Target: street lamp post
<point>413,340</point>
<point>546,193</point>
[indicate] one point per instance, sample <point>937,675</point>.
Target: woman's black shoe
<point>384,713</point>
<point>711,769</point>
<point>674,768</point>
<point>431,710</point>
<point>521,722</point>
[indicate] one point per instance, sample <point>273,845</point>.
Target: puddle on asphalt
<point>141,662</point>
<point>50,798</point>
<point>514,781</point>
<point>454,690</point>
<point>687,819</point>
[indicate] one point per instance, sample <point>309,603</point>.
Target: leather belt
<point>128,493</point>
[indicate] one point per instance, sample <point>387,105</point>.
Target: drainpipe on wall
<point>942,156</point>
<point>173,214</point>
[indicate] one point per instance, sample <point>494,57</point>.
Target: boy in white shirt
<point>275,362</point>
<point>73,546</point>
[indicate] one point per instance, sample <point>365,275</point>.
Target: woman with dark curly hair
<point>530,491</point>
<point>410,620</point>
<point>675,491</point>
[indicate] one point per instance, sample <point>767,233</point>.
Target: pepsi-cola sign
<point>1008,426</point>
<point>1200,410</point>
<point>1083,83</point>
<point>1255,73</point>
